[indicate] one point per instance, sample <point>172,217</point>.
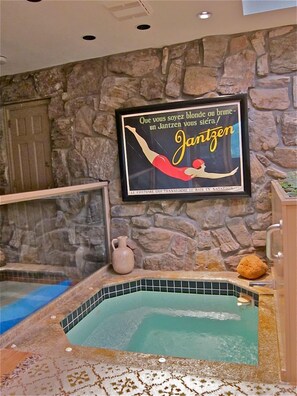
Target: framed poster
<point>185,150</point>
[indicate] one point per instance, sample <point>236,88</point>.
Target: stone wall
<point>66,232</point>
<point>199,235</point>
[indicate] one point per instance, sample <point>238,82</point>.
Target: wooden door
<point>29,150</point>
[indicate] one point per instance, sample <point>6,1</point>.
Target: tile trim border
<point>210,287</point>
<point>32,276</point>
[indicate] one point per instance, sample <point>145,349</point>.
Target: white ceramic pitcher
<point>122,256</point>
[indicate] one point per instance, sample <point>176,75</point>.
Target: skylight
<point>257,6</point>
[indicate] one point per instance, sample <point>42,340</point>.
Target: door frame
<point>7,135</point>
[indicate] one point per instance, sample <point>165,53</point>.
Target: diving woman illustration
<point>183,173</point>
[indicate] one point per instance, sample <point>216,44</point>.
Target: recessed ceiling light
<point>89,37</point>
<point>143,27</point>
<point>34,1</point>
<point>204,15</point>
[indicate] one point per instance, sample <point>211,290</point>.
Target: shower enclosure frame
<point>56,192</point>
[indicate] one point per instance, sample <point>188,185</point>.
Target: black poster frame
<point>185,150</point>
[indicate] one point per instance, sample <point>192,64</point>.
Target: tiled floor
<point>67,376</point>
<point>10,359</point>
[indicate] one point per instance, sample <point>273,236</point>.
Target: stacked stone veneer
<point>68,232</point>
<point>198,235</point>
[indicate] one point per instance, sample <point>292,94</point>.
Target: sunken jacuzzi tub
<point>61,330</point>
<point>209,320</point>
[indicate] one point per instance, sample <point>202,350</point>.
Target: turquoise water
<point>204,327</point>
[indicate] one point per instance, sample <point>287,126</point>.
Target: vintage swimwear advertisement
<point>184,148</point>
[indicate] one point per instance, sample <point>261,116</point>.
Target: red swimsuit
<point>162,163</point>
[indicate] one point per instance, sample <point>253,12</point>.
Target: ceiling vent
<point>123,10</point>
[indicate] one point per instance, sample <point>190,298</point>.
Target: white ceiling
<point>48,33</point>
